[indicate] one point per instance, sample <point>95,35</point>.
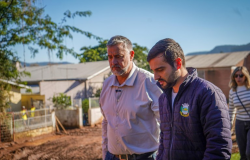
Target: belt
<point>134,156</point>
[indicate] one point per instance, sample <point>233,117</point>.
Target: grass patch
<point>235,156</point>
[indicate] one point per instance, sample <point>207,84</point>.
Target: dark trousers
<point>145,156</point>
<point>242,129</point>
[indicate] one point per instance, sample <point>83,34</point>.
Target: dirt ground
<point>78,144</point>
<point>235,148</point>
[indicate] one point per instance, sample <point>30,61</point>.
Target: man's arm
<point>215,120</point>
<point>104,135</point>
<point>154,93</point>
<point>161,147</point>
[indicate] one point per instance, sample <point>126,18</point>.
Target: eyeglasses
<point>238,75</point>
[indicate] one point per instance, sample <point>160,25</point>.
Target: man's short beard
<point>123,70</point>
<point>172,79</point>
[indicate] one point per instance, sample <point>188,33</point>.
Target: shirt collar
<point>129,81</point>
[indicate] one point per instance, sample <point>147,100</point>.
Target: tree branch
<point>7,9</point>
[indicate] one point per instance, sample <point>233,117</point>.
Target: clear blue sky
<point>197,25</point>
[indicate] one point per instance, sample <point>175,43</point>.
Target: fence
<point>94,102</point>
<point>77,102</point>
<point>33,120</point>
<point>94,113</point>
<point>17,122</point>
<point>6,128</point>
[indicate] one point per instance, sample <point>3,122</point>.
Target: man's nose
<point>156,76</point>
<point>114,61</point>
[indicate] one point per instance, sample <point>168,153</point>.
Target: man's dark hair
<point>120,39</point>
<point>171,51</point>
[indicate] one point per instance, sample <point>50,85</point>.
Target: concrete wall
<point>70,118</point>
<point>22,136</point>
<point>95,116</point>
<point>15,99</point>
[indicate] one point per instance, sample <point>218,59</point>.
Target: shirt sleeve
<point>161,147</point>
<point>232,109</point>
<point>215,120</point>
<point>154,93</point>
<point>104,135</point>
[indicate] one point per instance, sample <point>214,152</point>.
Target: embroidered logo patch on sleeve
<point>184,111</point>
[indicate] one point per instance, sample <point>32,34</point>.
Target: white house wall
<point>96,82</point>
<point>75,89</point>
<point>15,99</point>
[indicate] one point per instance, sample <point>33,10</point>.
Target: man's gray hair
<point>120,39</point>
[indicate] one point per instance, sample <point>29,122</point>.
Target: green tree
<point>140,57</point>
<point>96,53</point>
<point>99,53</point>
<point>22,22</point>
<point>8,72</point>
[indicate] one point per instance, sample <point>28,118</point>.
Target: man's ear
<point>178,63</point>
<point>132,53</point>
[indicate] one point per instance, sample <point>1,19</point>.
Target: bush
<point>61,101</point>
<point>98,92</point>
<point>85,105</point>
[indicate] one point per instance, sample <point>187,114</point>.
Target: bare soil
<point>78,144</point>
<point>235,148</point>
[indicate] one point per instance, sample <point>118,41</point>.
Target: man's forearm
<point>104,139</point>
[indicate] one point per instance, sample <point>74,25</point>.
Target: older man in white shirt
<point>129,103</point>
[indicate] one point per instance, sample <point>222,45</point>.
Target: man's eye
<point>118,57</point>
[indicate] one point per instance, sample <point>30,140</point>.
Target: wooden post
<point>57,128</point>
<point>61,125</point>
<point>0,131</point>
<point>13,125</point>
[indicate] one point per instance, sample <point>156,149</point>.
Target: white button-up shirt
<point>131,114</point>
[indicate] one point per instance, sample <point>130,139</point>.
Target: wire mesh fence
<point>77,102</point>
<point>6,128</point>
<point>94,102</point>
<point>29,120</point>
